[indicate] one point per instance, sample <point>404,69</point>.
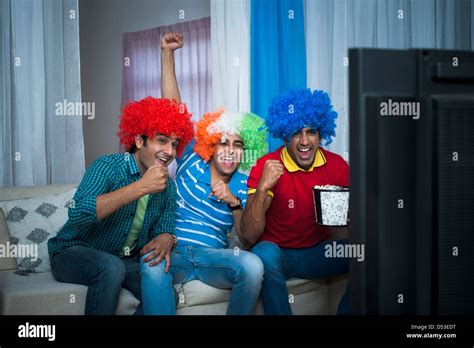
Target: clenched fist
<point>172,41</point>
<point>155,179</point>
<point>272,171</point>
<point>221,190</point>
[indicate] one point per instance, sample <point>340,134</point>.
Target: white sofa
<point>41,294</point>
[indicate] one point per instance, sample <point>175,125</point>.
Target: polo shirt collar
<point>291,166</point>
<point>206,176</point>
<point>132,164</point>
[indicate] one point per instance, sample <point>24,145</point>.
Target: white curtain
<point>333,26</point>
<point>230,37</point>
<point>142,64</point>
<point>40,67</point>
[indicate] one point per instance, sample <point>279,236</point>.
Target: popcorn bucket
<point>331,205</point>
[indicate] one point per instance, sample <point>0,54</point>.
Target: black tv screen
<point>412,178</point>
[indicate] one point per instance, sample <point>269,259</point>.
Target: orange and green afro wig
<point>151,116</point>
<point>215,125</point>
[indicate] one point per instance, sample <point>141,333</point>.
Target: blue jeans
<point>307,263</point>
<point>105,275</point>
<point>221,268</point>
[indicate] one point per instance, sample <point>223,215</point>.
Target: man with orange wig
<point>125,204</point>
<point>211,194</point>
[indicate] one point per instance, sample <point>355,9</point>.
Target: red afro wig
<point>151,116</point>
<point>205,142</point>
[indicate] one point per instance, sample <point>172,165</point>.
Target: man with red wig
<point>125,203</point>
<point>211,194</point>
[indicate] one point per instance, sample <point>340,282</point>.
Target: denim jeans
<point>105,274</point>
<point>307,263</point>
<point>239,270</point>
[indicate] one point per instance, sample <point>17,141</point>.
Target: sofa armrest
<point>6,263</point>
<point>21,192</point>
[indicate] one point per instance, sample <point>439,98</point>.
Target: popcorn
<point>329,187</point>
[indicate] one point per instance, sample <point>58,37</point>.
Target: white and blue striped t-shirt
<point>201,219</point>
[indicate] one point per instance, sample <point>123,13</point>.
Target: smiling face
<point>159,149</point>
<point>228,154</point>
<point>302,147</point>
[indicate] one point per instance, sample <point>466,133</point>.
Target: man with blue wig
<point>279,221</point>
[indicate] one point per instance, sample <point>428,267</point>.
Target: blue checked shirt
<point>106,174</point>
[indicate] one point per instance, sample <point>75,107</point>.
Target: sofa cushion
<point>298,286</point>
<point>219,308</point>
<point>6,263</point>
<point>41,294</point>
<point>197,293</point>
<point>313,302</point>
<point>31,222</point>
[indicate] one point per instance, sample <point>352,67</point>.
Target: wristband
<point>235,207</point>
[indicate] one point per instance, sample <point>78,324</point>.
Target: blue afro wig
<point>300,108</point>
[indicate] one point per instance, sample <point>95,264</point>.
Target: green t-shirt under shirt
<point>131,241</point>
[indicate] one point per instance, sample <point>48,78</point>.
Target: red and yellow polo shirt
<point>290,220</point>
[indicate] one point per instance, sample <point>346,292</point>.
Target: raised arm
<point>169,85</point>
<point>253,217</point>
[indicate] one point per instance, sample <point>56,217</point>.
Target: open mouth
<point>227,162</point>
<point>162,159</point>
<point>305,152</point>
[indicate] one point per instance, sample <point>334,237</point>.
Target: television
<point>412,181</point>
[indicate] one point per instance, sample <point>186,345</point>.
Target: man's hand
<point>155,179</point>
<point>221,190</point>
<point>169,84</point>
<point>172,41</point>
<point>159,248</point>
<point>272,171</point>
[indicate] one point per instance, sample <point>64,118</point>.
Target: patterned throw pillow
<point>31,222</point>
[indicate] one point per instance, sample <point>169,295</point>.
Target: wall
<point>102,23</point>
